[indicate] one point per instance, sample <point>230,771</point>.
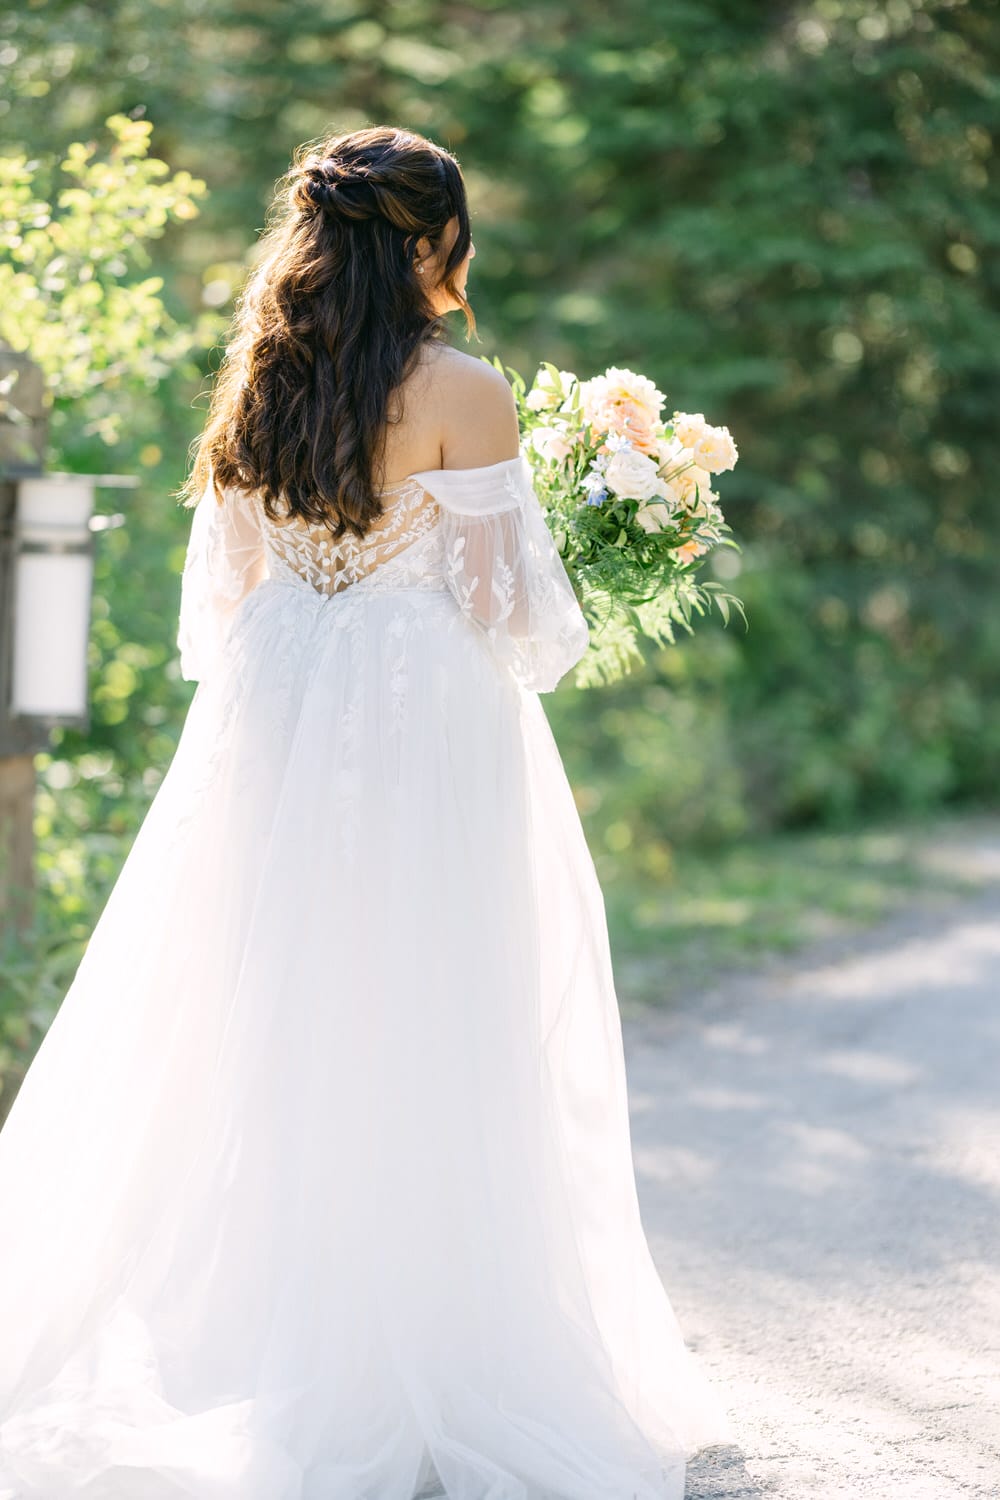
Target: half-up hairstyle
<point>329,322</point>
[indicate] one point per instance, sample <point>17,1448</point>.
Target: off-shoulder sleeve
<point>504,570</point>
<point>225,559</point>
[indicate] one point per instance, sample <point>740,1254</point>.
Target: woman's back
<point>452,412</point>
<point>413,430</point>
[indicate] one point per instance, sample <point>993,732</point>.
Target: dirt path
<point>818,1158</point>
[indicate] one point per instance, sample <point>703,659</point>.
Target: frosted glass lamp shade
<point>53,577</point>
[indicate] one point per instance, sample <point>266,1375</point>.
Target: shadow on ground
<point>720,1474</point>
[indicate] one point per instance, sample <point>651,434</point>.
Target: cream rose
<point>545,395</point>
<point>717,450</point>
<point>670,452</point>
<point>689,482</point>
<point>655,516</point>
<point>688,426</point>
<point>550,444</point>
<point>712,447</point>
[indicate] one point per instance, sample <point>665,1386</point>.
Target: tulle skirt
<point>320,1185</point>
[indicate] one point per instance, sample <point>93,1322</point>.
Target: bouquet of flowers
<point>628,498</point>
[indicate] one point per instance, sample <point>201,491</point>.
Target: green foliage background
<point>786,215</point>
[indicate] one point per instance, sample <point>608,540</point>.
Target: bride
<point>320,1184</point>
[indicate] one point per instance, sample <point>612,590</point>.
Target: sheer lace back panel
<point>309,553</point>
<point>479,533</point>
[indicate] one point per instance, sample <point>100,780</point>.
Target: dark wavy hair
<point>328,324</point>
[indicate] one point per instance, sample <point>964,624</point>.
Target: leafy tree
<point>64,258</point>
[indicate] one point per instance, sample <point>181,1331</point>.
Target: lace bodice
<point>478,533</point>
<point>310,553</point>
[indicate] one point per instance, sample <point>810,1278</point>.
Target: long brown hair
<point>327,325</point>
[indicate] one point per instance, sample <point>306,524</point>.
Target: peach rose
<point>623,402</point>
<point>688,551</point>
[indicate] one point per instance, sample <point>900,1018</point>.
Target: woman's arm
<point>225,559</point>
<point>501,563</point>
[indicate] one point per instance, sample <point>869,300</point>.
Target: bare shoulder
<point>478,412</point>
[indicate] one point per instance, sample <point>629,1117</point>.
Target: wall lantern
<point>47,529</point>
<point>53,566</point>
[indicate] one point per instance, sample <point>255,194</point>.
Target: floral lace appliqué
<point>308,553</point>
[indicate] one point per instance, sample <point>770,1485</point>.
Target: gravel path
<point>818,1157</point>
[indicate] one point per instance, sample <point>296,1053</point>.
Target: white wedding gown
<point>320,1186</point>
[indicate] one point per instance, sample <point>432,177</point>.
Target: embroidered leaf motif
<point>300,551</point>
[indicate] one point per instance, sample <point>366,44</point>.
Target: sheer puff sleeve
<point>225,559</point>
<point>503,568</point>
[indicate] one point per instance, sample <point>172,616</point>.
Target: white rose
<point>632,475</point>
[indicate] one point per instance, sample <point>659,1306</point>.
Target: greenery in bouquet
<point>628,498</point>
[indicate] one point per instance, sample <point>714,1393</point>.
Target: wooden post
<point>17,758</point>
<point>17,843</point>
<point>23,437</point>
